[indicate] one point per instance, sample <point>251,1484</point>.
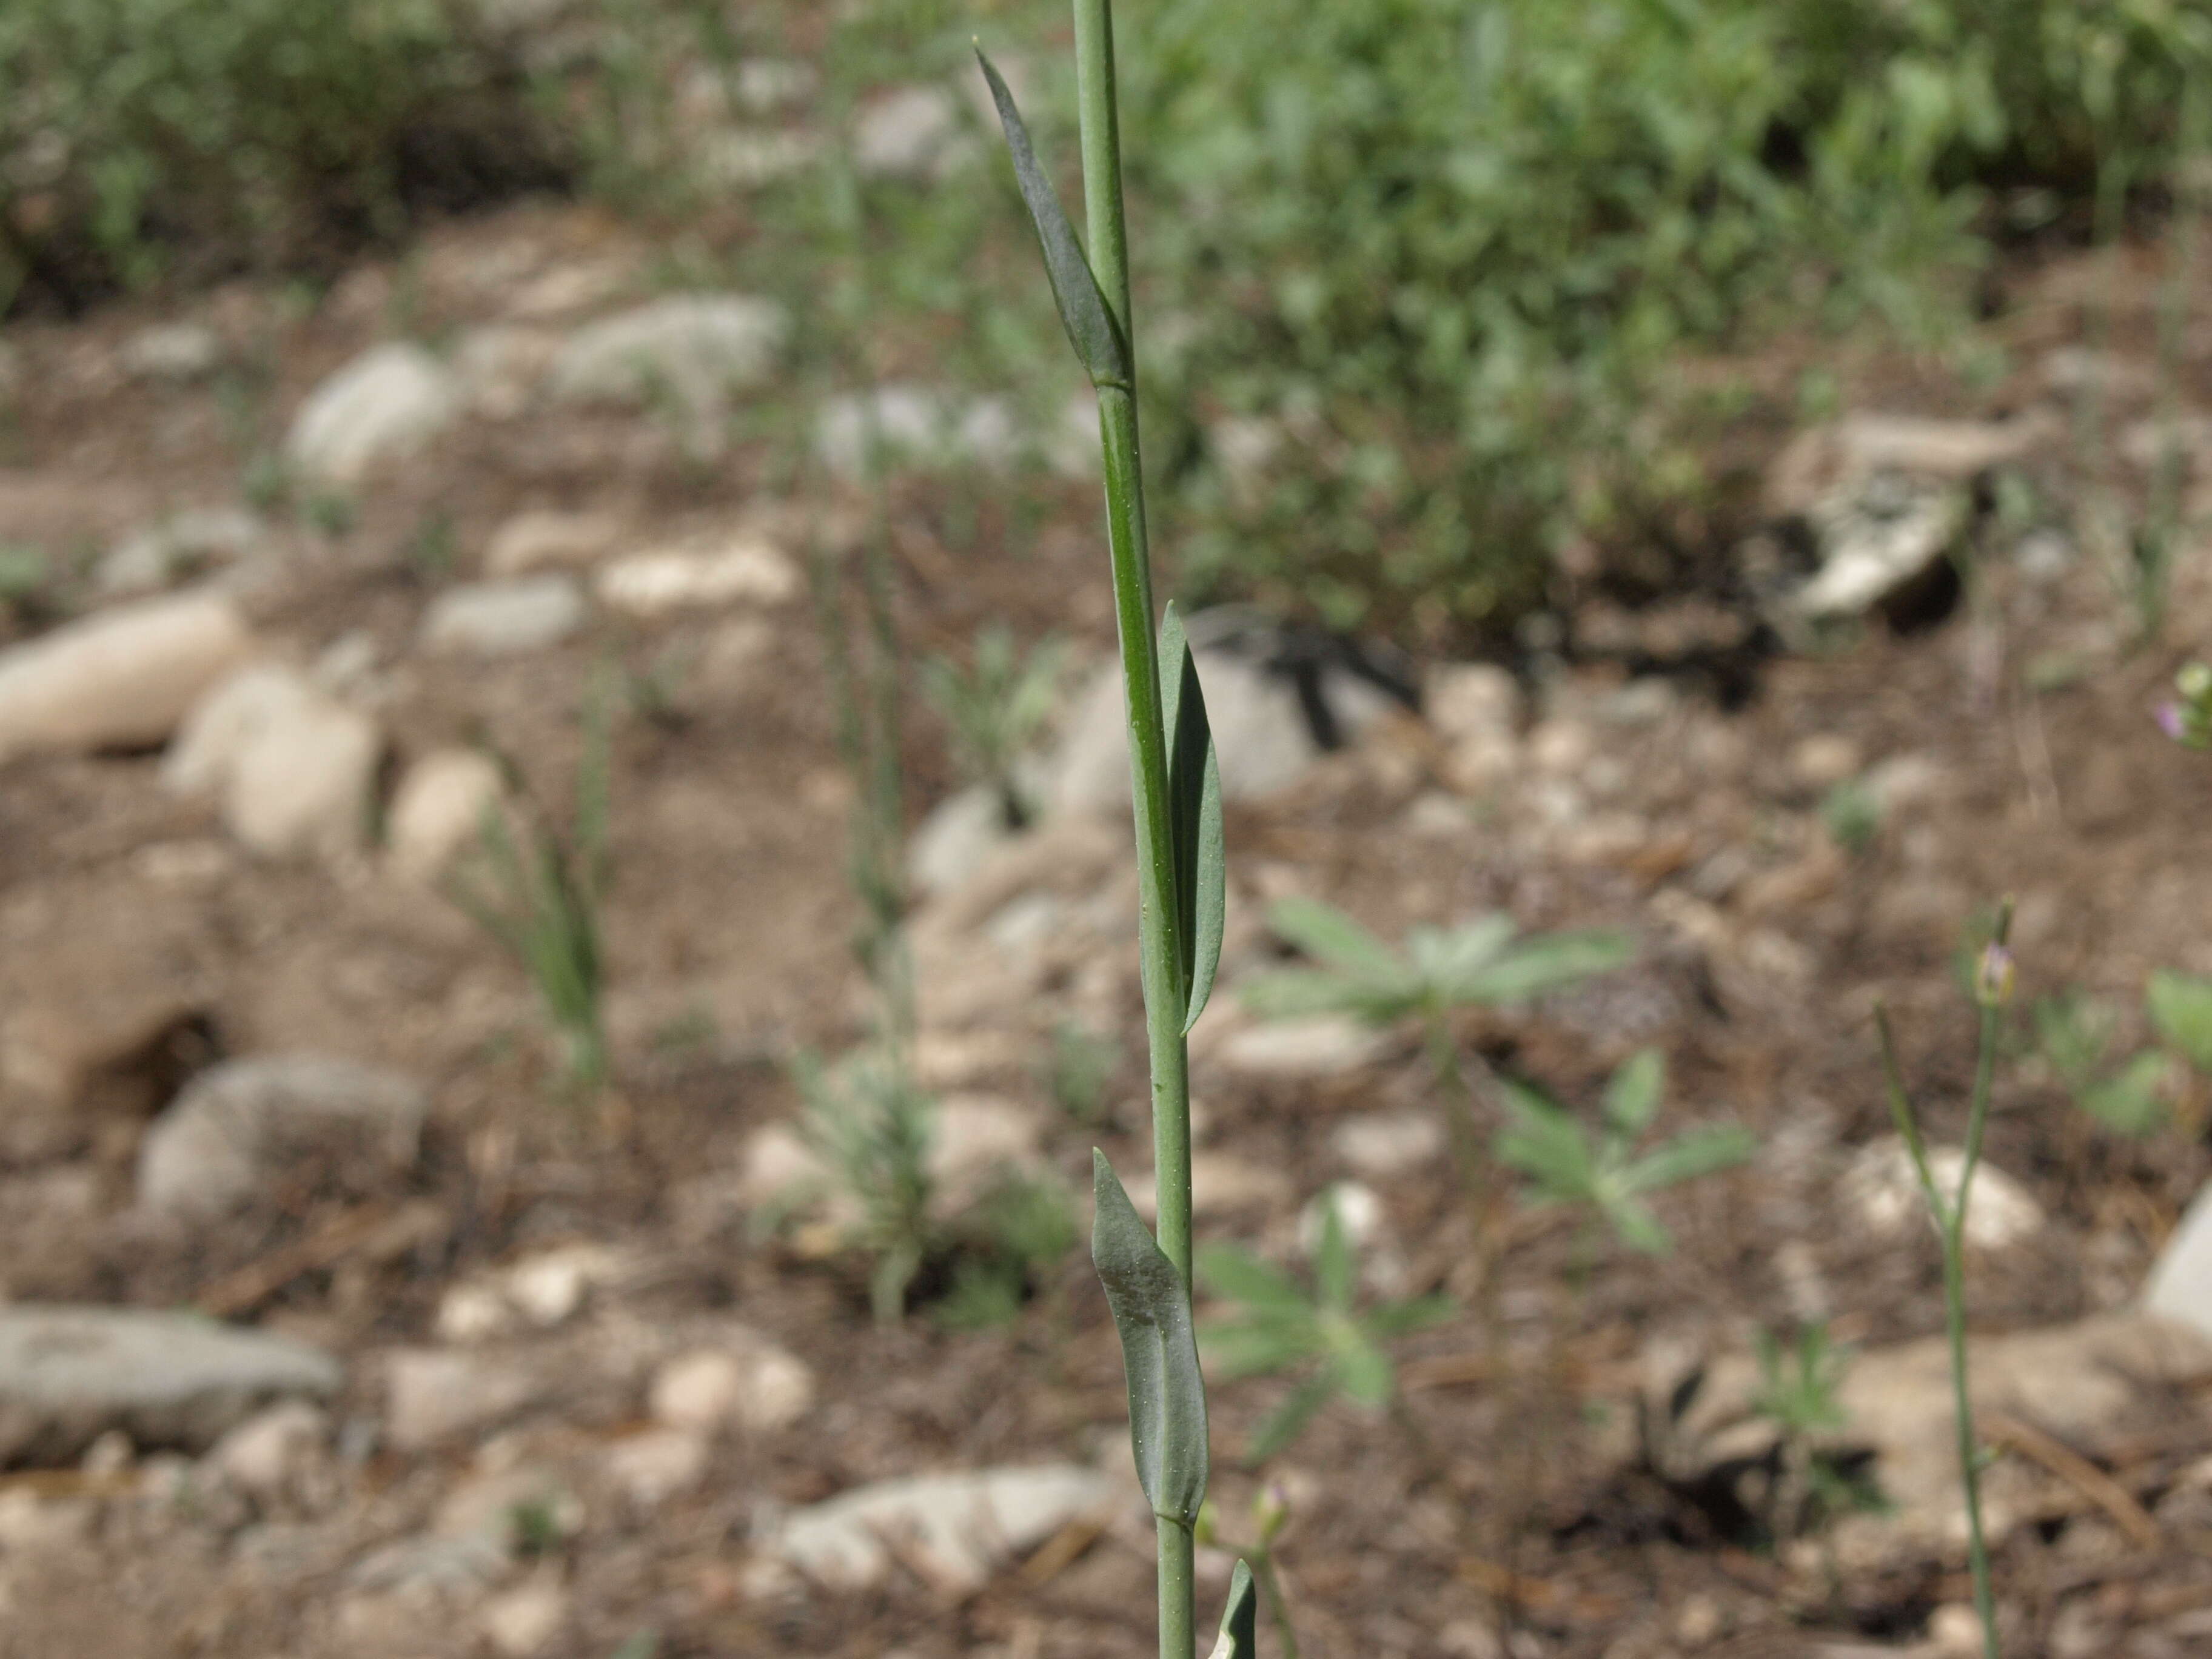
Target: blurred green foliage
<point>1421,283</point>
<point>136,134</point>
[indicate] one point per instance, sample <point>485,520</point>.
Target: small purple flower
<point>2173,720</point>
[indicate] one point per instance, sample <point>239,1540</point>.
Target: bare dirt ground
<point>1507,1494</point>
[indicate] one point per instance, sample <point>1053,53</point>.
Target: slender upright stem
<point>1955,1313</point>
<point>1166,977</point>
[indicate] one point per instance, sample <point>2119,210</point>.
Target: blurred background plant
<point>1321,1331</point>
<point>994,707</point>
<point>1421,278</point>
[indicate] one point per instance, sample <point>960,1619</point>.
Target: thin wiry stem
<point>1159,923</point>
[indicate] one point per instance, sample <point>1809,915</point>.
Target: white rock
<point>745,158</point>
<point>1260,733</point>
<point>654,584</point>
<point>1384,1145</point>
<point>439,810</point>
<point>506,618</point>
<point>542,1290</point>
<point>524,1621</point>
<point>1878,542</point>
<point>914,132</point>
<point>432,1394</point>
<point>1475,708</point>
<point>904,424</point>
<point>238,1126</point>
<point>538,539</point>
<point>1325,1045</point>
<point>956,839</point>
<point>1882,1191</point>
<point>651,1468</point>
<point>2180,1285</point>
<point>385,405</point>
<point>173,351</point>
<point>549,1287</point>
<point>696,349</point>
<point>180,546</point>
<point>749,1383</point>
<point>122,679</point>
<point>957,1526</point>
<point>293,769</point>
<point>1359,1212</point>
<point>267,1456</point>
<point>69,1375</point>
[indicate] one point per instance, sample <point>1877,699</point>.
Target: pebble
<point>293,769</point>
<point>693,348</point>
<point>958,1526</point>
<point>649,584</point>
<point>241,1127</point>
<point>503,618</point>
<point>384,406</point>
<point>432,1394</point>
<point>70,1374</point>
<point>122,677</point>
<point>1323,1045</point>
<point>179,547</point>
<point>747,1384</point>
<point>439,811</point>
<point>268,1455</point>
<point>1883,1193</point>
<point>524,1621</point>
<point>541,539</point>
<point>651,1468</point>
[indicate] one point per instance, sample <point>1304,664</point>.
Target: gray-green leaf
<point>2181,1008</point>
<point>1631,1098</point>
<point>1195,813</point>
<point>1159,1353</point>
<point>1092,330</point>
<point>1239,1619</point>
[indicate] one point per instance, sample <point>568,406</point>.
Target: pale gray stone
<point>695,349</point>
<point>69,1375</point>
<point>178,352</point>
<point>238,1126</point>
<point>963,1525</point>
<point>385,405</point>
<point>180,547</point>
<point>504,619</point>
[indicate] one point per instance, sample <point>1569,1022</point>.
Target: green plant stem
<point>1955,1313</point>
<point>1178,1595</point>
<point>1159,928</point>
<point>1279,1610</point>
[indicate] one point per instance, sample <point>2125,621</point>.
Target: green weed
<point>539,898</point>
<point>1319,1330</point>
<point>1598,1171</point>
<point>994,707</point>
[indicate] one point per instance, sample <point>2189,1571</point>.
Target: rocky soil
<point>330,1324</point>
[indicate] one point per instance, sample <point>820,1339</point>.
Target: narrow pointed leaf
<point>1632,1095</point>
<point>1159,1353</point>
<point>1195,810</point>
<point>1692,1154</point>
<point>1366,1376</point>
<point>1333,1268</point>
<point>1325,933</point>
<point>1239,1619</point>
<point>1092,330</point>
<point>1545,963</point>
<point>1237,1274</point>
